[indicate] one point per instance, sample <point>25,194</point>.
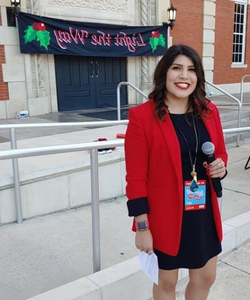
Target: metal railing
<point>119,96</point>
<point>15,167</point>
<point>239,107</point>
<point>93,147</point>
<point>239,102</point>
<point>241,88</point>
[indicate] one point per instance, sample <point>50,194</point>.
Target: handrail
<point>17,153</point>
<point>241,88</point>
<point>208,82</point>
<point>223,91</point>
<point>15,166</point>
<point>239,107</point>
<point>236,130</point>
<point>65,124</point>
<point>119,96</point>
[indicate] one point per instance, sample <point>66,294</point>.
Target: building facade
<point>219,30</point>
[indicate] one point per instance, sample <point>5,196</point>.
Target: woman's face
<point>181,79</point>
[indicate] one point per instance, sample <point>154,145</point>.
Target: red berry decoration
<point>41,26</point>
<point>155,34</point>
<point>157,40</point>
<point>35,26</point>
<point>37,33</point>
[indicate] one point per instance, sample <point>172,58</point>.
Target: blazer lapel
<point>173,146</point>
<point>209,126</point>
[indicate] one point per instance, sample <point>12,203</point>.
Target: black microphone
<point>208,149</point>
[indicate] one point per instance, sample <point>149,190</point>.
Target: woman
<point>171,196</point>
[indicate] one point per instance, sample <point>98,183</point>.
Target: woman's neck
<point>177,107</point>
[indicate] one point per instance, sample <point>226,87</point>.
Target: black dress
<point>199,240</point>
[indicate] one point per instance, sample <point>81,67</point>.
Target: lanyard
<point>194,184</point>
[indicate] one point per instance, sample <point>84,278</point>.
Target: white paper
<point>149,265</point>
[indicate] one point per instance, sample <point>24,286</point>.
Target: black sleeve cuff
<point>224,176</point>
<point>137,207</point>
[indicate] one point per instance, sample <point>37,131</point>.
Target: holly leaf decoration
<point>162,41</point>
<point>30,34</point>
<point>154,42</point>
<point>157,41</point>
<point>44,38</point>
<point>37,32</point>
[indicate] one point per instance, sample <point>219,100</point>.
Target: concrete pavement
<point>54,252</point>
<point>233,277</point>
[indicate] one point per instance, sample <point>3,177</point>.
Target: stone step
<point>233,124</point>
<point>234,116</point>
<point>232,137</point>
<point>231,121</point>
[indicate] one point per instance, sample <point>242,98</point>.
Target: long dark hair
<point>197,100</point>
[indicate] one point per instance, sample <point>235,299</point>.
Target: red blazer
<point>154,171</point>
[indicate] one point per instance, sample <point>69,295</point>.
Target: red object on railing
<point>120,136</point>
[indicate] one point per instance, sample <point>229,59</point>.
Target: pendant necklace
<point>194,184</point>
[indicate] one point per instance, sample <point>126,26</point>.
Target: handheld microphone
<point>208,149</point>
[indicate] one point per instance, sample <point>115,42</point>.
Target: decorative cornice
<point>37,77</point>
<point>148,17</point>
<point>40,71</point>
<point>29,6</point>
<point>144,12</point>
<point>35,6</point>
<point>153,12</point>
<point>108,5</point>
<point>33,75</point>
<point>32,6</point>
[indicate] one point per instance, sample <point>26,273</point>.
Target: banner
<point>54,36</point>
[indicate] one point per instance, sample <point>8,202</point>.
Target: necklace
<point>194,185</point>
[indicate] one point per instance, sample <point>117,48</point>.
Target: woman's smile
<point>182,85</point>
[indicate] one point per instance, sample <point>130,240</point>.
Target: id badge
<point>195,200</point>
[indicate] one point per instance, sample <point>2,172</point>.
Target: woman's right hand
<point>144,241</point>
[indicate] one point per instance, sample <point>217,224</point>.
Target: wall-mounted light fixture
<point>171,14</point>
<point>16,4</point>
<point>12,11</point>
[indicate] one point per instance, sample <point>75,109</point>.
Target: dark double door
<point>89,82</point>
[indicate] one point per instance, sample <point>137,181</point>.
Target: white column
<point>208,38</point>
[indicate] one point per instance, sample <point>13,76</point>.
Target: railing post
<point>95,210</point>
<point>241,101</point>
<point>239,107</point>
<point>238,126</point>
<point>16,178</point>
<point>119,96</point>
<point>119,102</point>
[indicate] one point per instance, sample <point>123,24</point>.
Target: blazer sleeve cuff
<point>224,175</point>
<point>138,206</point>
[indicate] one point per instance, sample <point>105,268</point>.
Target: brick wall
<point>188,28</point>
<point>224,24</point>
<point>4,93</point>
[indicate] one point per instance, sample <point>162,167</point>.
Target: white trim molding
<point>239,35</point>
<point>239,66</point>
<point>209,12</point>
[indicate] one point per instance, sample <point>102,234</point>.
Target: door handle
<point>91,69</point>
<point>96,69</point>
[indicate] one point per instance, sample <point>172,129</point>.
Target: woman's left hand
<point>216,168</point>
